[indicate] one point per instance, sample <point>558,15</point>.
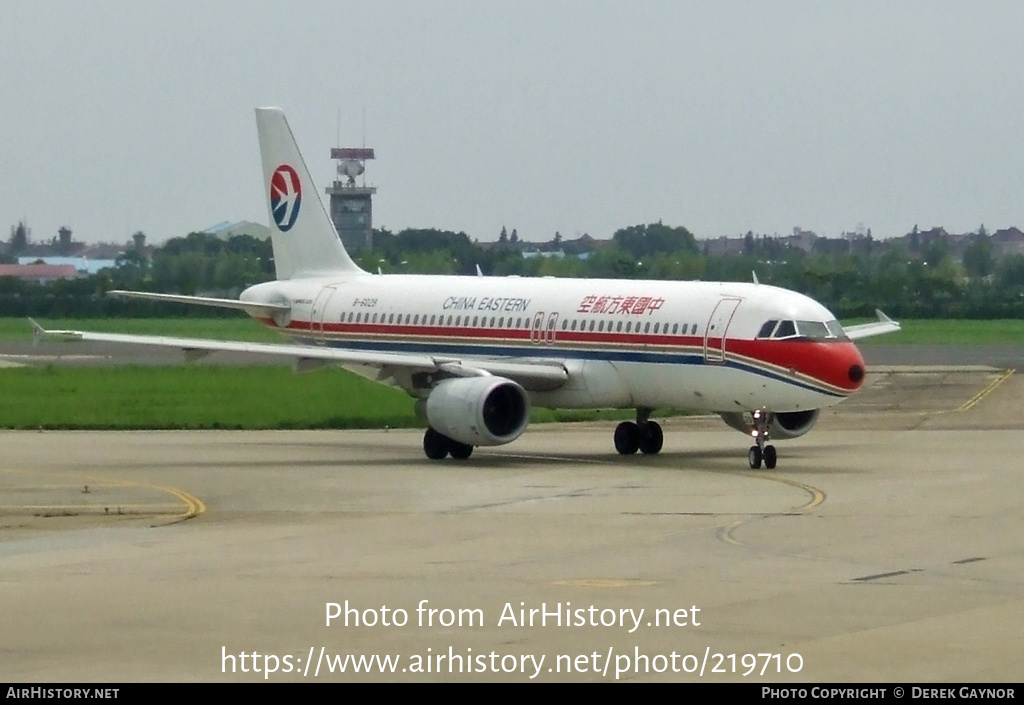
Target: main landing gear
<point>762,451</point>
<point>437,446</point>
<point>644,435</point>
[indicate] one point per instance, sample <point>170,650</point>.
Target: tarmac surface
<point>886,546</point>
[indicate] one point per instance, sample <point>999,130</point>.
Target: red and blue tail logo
<point>285,197</point>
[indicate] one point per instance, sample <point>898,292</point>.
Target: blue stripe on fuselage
<point>540,350</point>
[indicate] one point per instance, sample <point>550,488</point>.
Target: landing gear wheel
<point>627,438</point>
<point>651,438</point>
<point>435,445</point>
<point>770,457</point>
<point>460,451</point>
<point>754,457</point>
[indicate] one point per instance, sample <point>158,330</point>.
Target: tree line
<point>851,279</point>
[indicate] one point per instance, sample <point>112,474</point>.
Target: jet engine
<point>479,411</point>
<point>781,425</point>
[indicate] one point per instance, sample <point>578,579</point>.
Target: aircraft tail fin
<point>303,236</point>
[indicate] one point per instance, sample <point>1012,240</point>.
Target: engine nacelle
<point>479,411</point>
<point>782,425</point>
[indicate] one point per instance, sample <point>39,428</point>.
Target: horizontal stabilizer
<point>257,310</point>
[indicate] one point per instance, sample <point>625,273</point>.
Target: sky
<point>558,115</point>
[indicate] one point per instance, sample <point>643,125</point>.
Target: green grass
<point>952,332</point>
<point>56,397</point>
<point>241,328</point>
<point>211,397</point>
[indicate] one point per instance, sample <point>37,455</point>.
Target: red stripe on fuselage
<point>829,362</point>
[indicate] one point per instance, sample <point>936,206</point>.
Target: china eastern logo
<point>285,197</point>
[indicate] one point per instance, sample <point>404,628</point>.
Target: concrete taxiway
<point>885,547</point>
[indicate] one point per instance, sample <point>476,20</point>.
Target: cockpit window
<point>808,330</point>
<point>766,329</point>
<point>812,330</point>
<point>786,329</point>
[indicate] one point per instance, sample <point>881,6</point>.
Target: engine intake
<point>480,411</point>
<point>781,425</point>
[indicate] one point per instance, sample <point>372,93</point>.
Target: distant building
<point>351,205</point>
<point>531,254</point>
<point>800,239</point>
<point>82,265</point>
<point>229,229</point>
<point>42,273</point>
<point>723,245</point>
<point>1008,241</point>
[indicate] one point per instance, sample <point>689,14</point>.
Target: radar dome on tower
<point>352,204</point>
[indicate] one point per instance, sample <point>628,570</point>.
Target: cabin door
<point>318,312</point>
<point>718,326</point>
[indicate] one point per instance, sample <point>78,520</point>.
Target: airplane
<point>476,353</point>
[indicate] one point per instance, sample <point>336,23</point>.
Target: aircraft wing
<point>884,324</point>
<point>532,374</point>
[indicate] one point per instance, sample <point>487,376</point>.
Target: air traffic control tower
<point>352,205</point>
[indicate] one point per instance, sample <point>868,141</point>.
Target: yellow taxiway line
<point>970,403</point>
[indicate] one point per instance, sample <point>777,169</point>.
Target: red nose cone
<point>848,366</point>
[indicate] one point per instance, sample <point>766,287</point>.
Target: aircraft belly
<point>591,384</point>
<point>715,388</point>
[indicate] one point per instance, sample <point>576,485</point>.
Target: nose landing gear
<point>762,451</point>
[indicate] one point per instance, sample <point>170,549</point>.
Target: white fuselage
<point>624,343</point>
